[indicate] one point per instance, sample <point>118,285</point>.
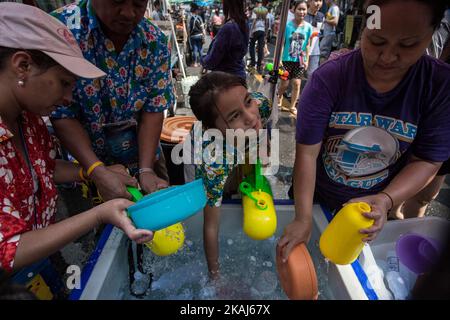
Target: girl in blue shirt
<point>296,53</point>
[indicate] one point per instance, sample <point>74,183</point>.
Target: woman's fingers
<point>369,238</point>
<point>283,240</point>
<point>372,215</point>
<point>376,227</point>
<point>142,236</point>
<point>286,251</point>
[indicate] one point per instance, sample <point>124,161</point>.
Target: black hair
<point>234,10</point>
<point>42,60</point>
<point>203,95</point>
<point>437,8</point>
<point>194,7</point>
<point>299,2</point>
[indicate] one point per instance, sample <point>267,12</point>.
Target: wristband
<point>390,198</point>
<point>144,170</point>
<point>82,176</point>
<point>93,166</point>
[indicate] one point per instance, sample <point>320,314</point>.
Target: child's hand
<point>296,232</point>
<point>305,64</point>
<point>113,212</point>
<point>380,205</point>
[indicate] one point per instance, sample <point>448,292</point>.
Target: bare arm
<point>66,171</point>
<point>333,22</point>
<point>38,244</point>
<point>75,139</point>
<point>148,139</point>
<point>305,179</point>
<point>408,182</point>
<point>304,184</point>
<point>211,216</point>
<point>411,179</point>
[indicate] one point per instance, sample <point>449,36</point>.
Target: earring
<point>21,83</point>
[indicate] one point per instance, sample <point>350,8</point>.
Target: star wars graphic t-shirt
<point>368,136</point>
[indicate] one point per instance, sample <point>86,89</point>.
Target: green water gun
<point>256,182</point>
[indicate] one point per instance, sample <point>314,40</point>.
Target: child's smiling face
<point>237,110</point>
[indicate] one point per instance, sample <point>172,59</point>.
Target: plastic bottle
<point>395,282</point>
<point>341,242</point>
<point>140,284</point>
<point>375,274</point>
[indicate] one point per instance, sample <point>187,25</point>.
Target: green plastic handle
<point>246,188</point>
<point>137,195</point>
<point>259,185</point>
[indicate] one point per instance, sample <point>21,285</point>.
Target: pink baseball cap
<point>29,28</point>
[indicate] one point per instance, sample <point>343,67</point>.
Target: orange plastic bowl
<point>175,129</point>
<point>298,276</point>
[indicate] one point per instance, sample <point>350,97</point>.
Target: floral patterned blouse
<point>215,175</point>
<point>138,78</point>
<point>26,202</point>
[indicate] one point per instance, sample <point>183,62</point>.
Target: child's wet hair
<point>203,95</point>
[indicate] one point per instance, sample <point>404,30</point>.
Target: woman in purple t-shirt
<point>373,124</point>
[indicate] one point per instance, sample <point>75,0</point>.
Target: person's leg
<point>417,205</point>
<point>194,51</point>
<point>281,90</point>
<point>296,83</point>
<point>261,43</point>
<point>325,47</point>
<point>252,51</point>
<point>200,50</point>
<point>396,213</point>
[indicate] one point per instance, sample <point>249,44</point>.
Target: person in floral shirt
<point>31,83</point>
<point>221,101</point>
<point>117,119</point>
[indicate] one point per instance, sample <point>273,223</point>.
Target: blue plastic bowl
<point>166,207</point>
